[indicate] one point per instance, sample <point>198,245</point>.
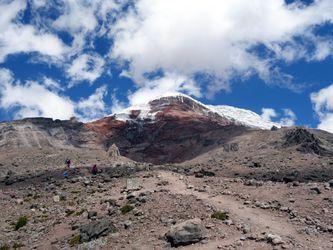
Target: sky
<point>89,59</point>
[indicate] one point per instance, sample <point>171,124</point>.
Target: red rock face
<point>182,129</point>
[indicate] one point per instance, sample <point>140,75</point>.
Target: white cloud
<point>94,106</point>
<point>323,106</point>
<point>117,105</point>
<point>170,83</point>
<point>86,20</point>
<point>217,37</point>
<point>78,16</point>
<point>268,114</point>
<point>18,38</point>
<point>39,3</point>
<point>32,99</point>
<point>81,16</point>
<point>288,118</point>
<point>52,84</point>
<point>86,67</point>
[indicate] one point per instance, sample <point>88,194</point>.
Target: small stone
<point>316,190</point>
<point>112,211</point>
<point>284,209</point>
<point>92,214</point>
<point>330,183</point>
<point>246,228</point>
<point>56,198</point>
<point>19,201</point>
<point>228,222</point>
<point>128,224</point>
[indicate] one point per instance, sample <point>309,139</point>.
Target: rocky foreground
<point>159,207</point>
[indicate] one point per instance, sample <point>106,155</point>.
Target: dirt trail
<point>259,219</point>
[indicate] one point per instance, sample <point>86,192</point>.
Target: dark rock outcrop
<point>96,229</point>
<point>305,141</point>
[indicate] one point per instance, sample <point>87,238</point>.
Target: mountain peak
<point>172,103</point>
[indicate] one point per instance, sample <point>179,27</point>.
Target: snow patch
<point>242,116</point>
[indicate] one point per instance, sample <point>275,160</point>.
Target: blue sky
<point>92,58</point>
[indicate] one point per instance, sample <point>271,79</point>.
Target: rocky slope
<point>44,133</point>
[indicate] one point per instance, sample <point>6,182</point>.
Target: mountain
<point>169,129</point>
<point>174,128</point>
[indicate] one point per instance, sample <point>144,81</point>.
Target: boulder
<point>330,183</point>
<point>274,239</point>
<point>56,198</point>
<point>96,229</point>
<point>185,233</point>
<point>92,214</point>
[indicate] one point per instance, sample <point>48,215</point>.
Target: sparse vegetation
<point>69,213</point>
<point>75,240</point>
<point>127,208</point>
<point>21,222</point>
<point>220,215</point>
<point>78,213</point>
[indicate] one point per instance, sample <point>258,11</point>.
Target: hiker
<point>68,163</point>
<point>94,170</point>
<point>66,174</point>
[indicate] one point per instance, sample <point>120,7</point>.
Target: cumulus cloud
<point>24,38</point>
<point>323,106</point>
<point>77,16</point>
<point>86,20</point>
<point>170,83</point>
<point>86,67</point>
<point>94,106</point>
<point>219,38</point>
<point>117,105</point>
<point>83,16</point>
<point>32,99</point>
<point>268,114</point>
<point>287,118</point>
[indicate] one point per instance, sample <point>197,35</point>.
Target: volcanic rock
<point>305,141</point>
<point>96,229</point>
<point>185,233</point>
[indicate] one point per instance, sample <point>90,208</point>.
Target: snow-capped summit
<point>151,109</point>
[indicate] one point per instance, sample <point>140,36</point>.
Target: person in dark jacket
<point>94,170</point>
<point>68,163</point>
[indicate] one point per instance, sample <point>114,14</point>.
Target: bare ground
<point>301,216</point>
